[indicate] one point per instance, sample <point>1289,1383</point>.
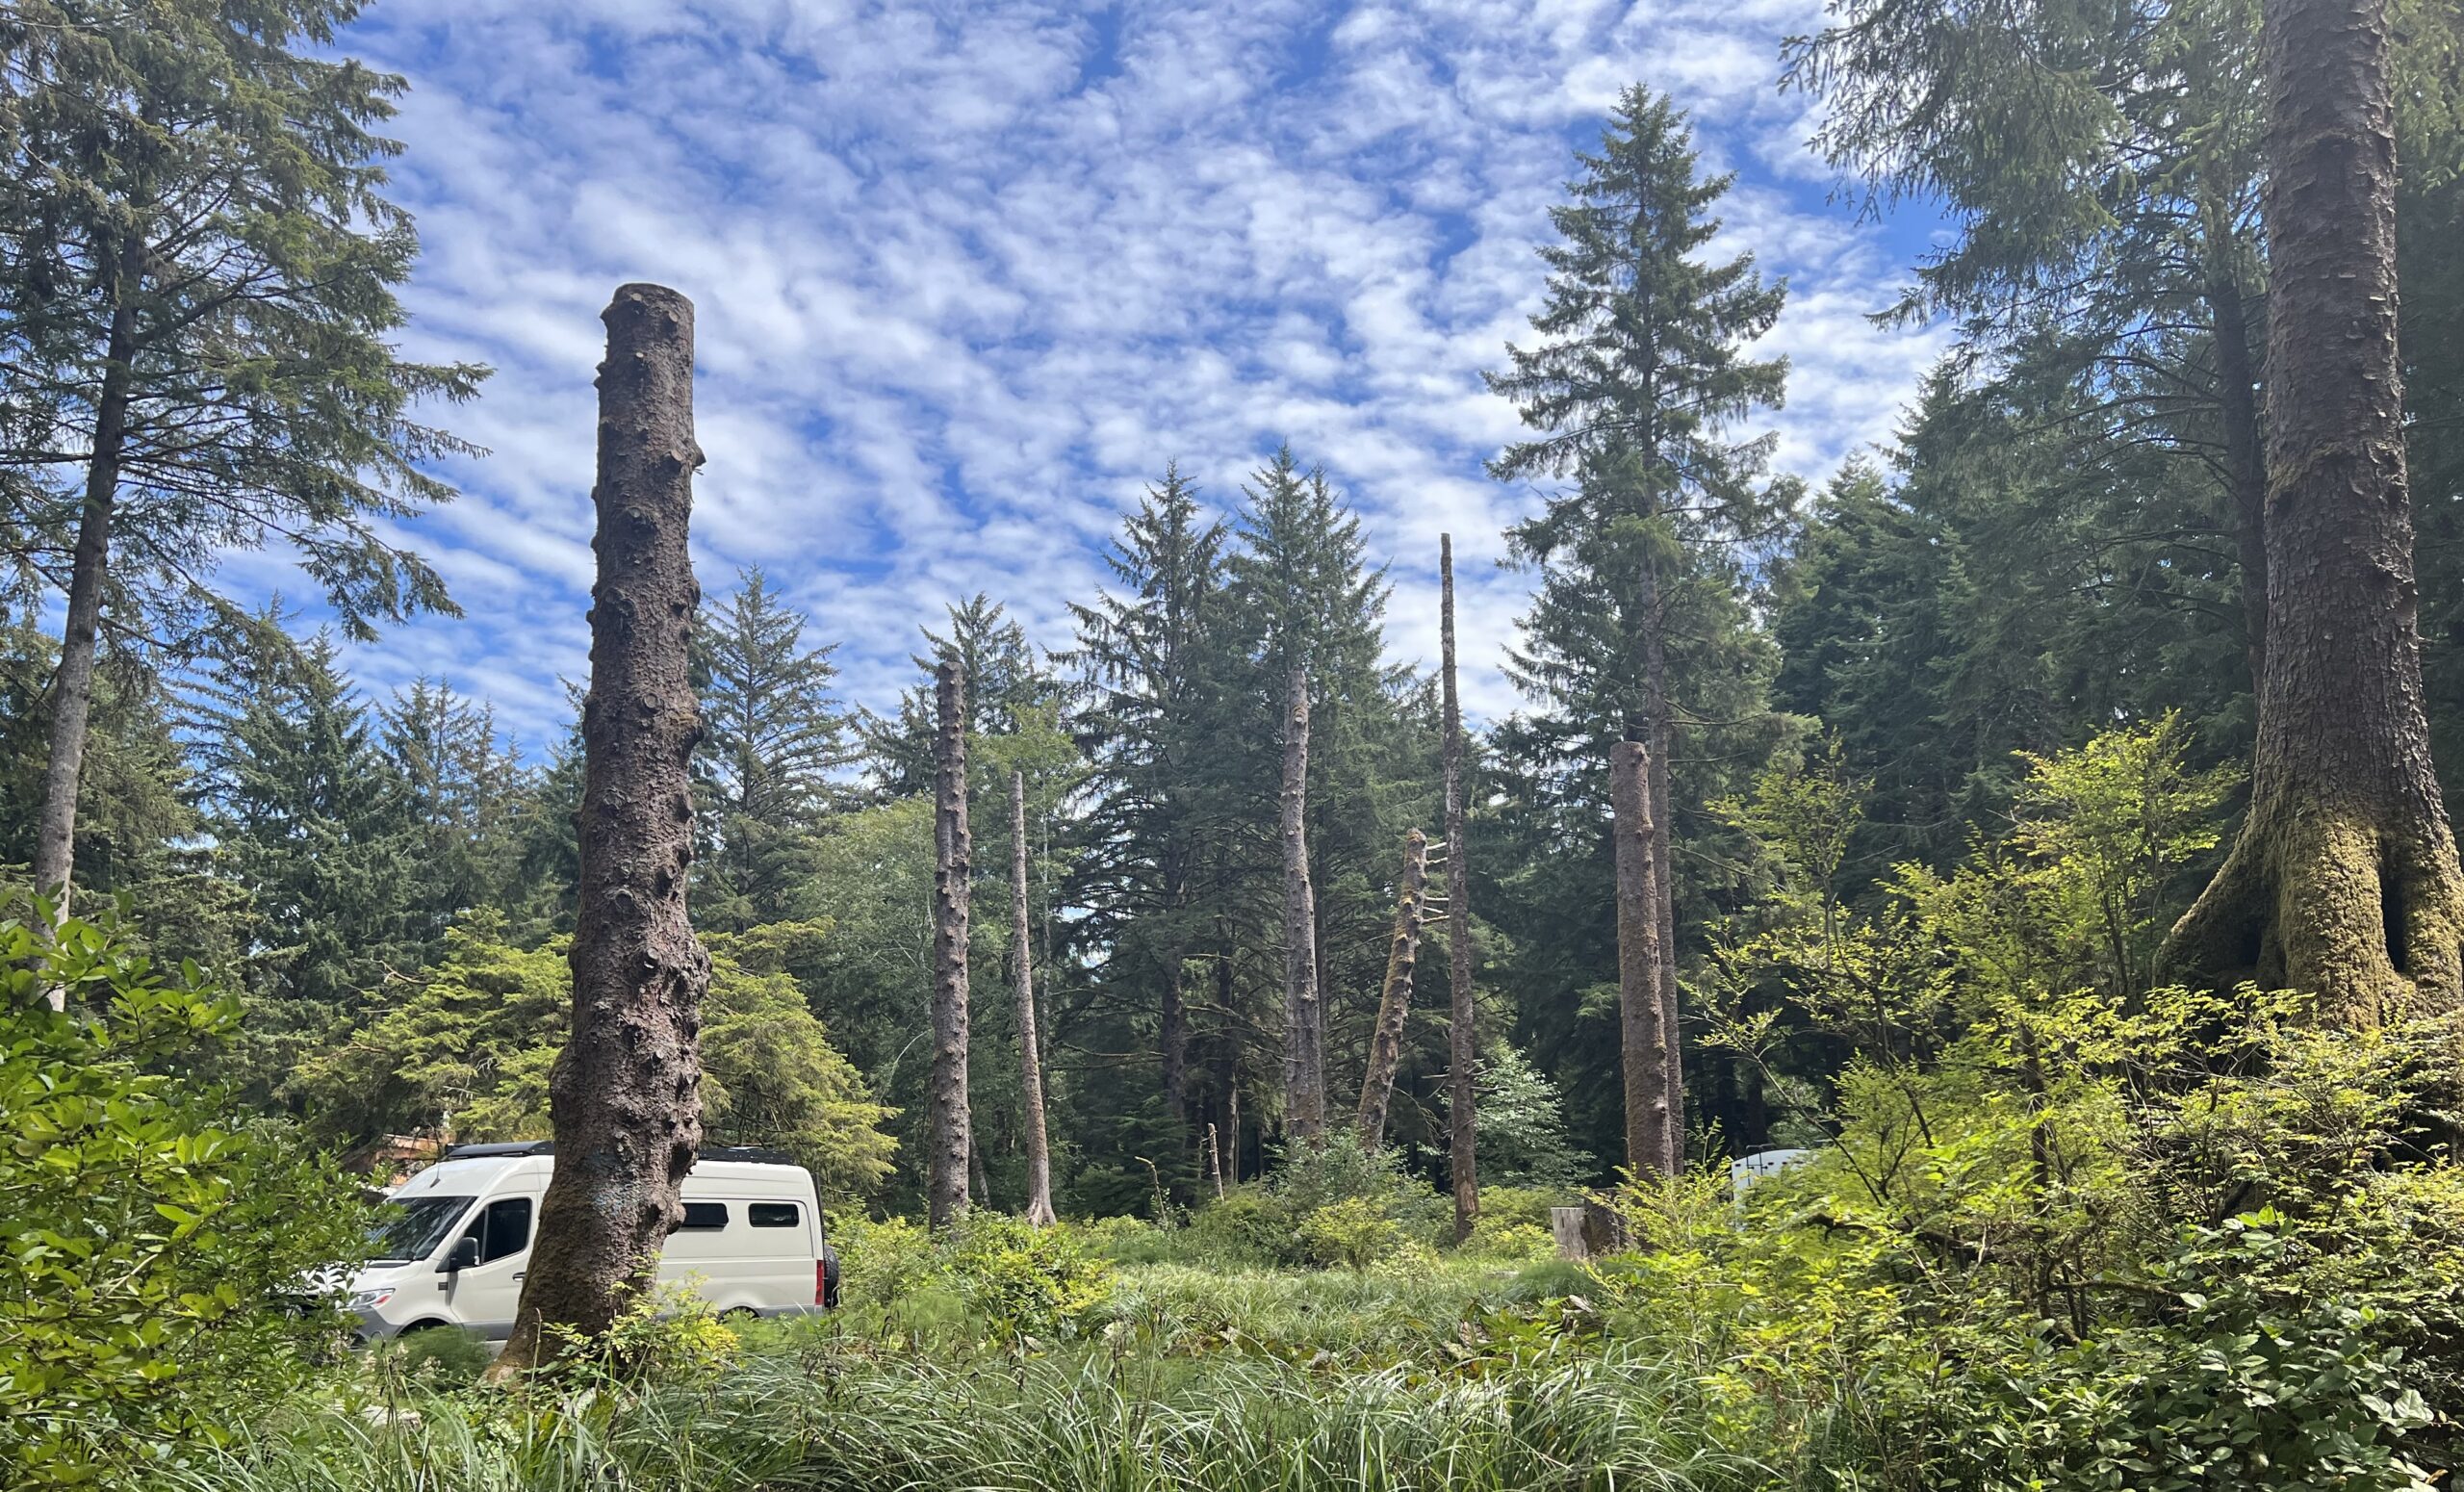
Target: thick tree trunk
<point>625,1091</point>
<point>1304,1058</point>
<point>1030,1058</point>
<point>2344,881</point>
<point>1395,999</point>
<point>950,1126</point>
<point>1651,1147</point>
<point>1462,1048</point>
<point>72,693</point>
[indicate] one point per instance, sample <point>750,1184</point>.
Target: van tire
<point>737,1313</point>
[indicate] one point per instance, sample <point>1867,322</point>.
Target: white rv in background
<point>457,1240</point>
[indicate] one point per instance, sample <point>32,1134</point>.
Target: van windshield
<point>410,1230</point>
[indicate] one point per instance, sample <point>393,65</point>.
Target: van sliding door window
<point>504,1230</point>
<point>775,1214</point>
<point>704,1217</point>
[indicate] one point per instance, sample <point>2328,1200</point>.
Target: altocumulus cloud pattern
<point>969,273</point>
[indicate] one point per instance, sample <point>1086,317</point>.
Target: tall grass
<point>830,1414</point>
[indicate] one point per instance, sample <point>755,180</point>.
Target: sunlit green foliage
<point>156,1250</point>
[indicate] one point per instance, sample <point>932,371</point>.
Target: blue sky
<point>968,274</point>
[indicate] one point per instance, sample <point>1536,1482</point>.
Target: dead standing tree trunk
<point>1395,1000</point>
<point>947,1147</point>
<point>2344,881</point>
<point>1462,1050</point>
<point>1030,1060</point>
<point>1647,1042</point>
<point>1304,1060</point>
<point>626,1092</point>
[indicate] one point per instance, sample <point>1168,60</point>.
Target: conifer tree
<point>314,819</point>
<point>1005,682</point>
<point>1637,378</point>
<point>1152,683</point>
<point>197,277</point>
<point>774,734</point>
<point>464,796</point>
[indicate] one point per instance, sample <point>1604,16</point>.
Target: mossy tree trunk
<point>625,1091</point>
<point>2344,881</point>
<point>948,1122</point>
<point>1461,1040</point>
<point>1394,998</point>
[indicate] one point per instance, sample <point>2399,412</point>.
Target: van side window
<point>504,1230</point>
<point>776,1215</point>
<point>704,1217</point>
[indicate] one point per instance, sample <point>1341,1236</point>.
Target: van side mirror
<point>464,1254</point>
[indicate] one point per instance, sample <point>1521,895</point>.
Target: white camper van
<point>458,1236</point>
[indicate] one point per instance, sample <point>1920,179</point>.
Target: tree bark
<point>945,1185</point>
<point>1304,1061</point>
<point>72,697</point>
<point>1172,1031</point>
<point>625,1091</point>
<point>1660,732</point>
<point>1650,1148</point>
<point>1030,1058</point>
<point>2344,881</point>
<point>1395,999</point>
<point>1462,1048</point>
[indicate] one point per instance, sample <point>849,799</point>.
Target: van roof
<point>761,1154</point>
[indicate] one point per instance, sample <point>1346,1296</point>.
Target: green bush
<point>1025,1281</point>
<point>154,1255</point>
<point>441,1356</point>
<point>1350,1234</point>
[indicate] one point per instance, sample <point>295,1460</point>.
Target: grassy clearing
<point>830,1412</point>
<point>1467,1375</point>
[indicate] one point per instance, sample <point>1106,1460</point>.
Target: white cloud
<point>968,274</point>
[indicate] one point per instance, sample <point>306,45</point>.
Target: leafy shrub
<point>154,1257</point>
<point>880,1261</point>
<point>2252,1386</point>
<point>1508,1241</point>
<point>1351,1233</point>
<point>440,1355</point>
<point>667,1333</point>
<point>1025,1281</point>
<point>1248,1226</point>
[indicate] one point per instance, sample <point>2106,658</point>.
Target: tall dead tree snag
<point>626,1092</point>
<point>950,1125</point>
<point>1304,1056</point>
<point>2344,881</point>
<point>1030,1060</point>
<point>1462,1048</point>
<point>1395,1000</point>
<point>1647,1039</point>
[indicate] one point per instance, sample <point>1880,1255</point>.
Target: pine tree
<point>314,819</point>
<point>774,734</point>
<point>197,283</point>
<point>2344,880</point>
<point>1006,682</point>
<point>2103,166</point>
<point>465,795</point>
<point>1151,666</point>
<point>1306,601</point>
<point>1638,376</point>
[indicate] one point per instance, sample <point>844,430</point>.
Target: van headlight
<point>368,1299</point>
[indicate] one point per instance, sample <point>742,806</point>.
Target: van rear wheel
<point>735,1314</point>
